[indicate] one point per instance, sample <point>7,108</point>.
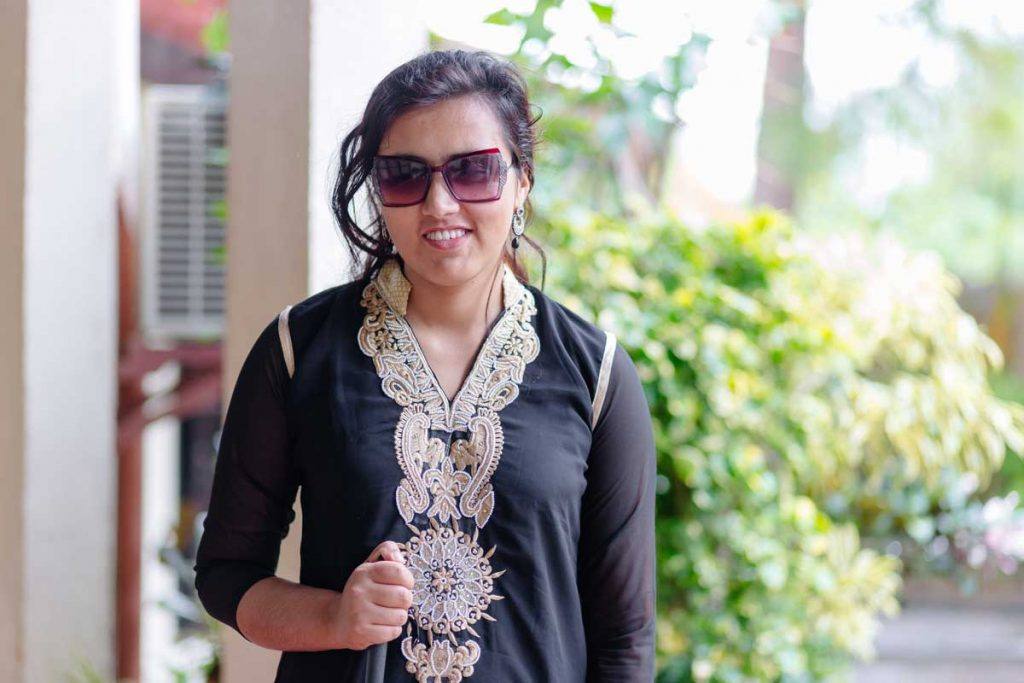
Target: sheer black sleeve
<point>254,484</point>
<point>616,552</point>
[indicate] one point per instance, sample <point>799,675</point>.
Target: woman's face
<point>435,133</point>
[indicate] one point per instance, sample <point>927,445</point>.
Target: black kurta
<point>525,506</point>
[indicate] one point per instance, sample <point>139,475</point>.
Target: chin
<point>449,270</point>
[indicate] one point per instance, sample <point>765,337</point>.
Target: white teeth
<point>445,234</point>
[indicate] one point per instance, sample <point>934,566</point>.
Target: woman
<point>476,461</point>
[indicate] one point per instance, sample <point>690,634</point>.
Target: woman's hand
<point>373,606</point>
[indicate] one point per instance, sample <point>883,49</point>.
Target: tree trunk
<point>782,114</point>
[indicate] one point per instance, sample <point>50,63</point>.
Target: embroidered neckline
<point>446,486</point>
<point>395,287</point>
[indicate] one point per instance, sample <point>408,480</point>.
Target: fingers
<point>381,591</point>
<point>367,634</point>
<point>386,616</point>
<point>390,595</point>
<point>388,572</point>
<point>382,634</point>
<point>388,565</point>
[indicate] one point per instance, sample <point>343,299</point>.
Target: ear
<point>523,189</point>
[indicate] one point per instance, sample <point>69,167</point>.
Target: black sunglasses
<point>477,176</point>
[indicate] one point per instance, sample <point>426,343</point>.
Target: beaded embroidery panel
<point>445,495</point>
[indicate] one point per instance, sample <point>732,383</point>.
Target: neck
<point>470,305</point>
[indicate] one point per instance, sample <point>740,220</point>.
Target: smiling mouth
<point>445,234</point>
<point>447,239</point>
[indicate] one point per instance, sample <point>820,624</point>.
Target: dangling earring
<point>518,226</point>
<point>387,235</point>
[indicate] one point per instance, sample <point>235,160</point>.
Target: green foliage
<point>967,204</point>
<point>800,391</point>
<point>1011,477</point>
<point>602,12</point>
<point>83,671</point>
<point>605,134</point>
<point>215,36</point>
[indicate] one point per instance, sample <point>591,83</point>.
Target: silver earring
<point>518,226</point>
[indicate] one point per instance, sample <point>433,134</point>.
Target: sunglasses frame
<point>503,167</point>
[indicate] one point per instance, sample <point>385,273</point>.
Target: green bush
<point>810,399</point>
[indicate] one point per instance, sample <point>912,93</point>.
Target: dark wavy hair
<point>425,80</point>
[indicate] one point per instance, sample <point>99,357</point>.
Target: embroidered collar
<point>395,287</point>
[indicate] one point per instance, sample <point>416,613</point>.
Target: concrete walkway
<point>949,639</point>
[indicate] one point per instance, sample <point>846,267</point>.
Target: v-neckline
<point>394,289</point>
<point>450,403</point>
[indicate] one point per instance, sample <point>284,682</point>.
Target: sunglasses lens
<point>476,177</point>
<point>400,181</point>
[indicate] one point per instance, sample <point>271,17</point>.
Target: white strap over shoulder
<point>602,377</point>
<point>286,340</point>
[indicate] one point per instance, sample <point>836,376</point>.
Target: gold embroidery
<point>450,486</point>
<point>453,579</point>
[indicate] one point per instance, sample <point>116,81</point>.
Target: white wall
<point>353,45</point>
<point>59,240</point>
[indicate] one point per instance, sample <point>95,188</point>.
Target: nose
<point>439,201</point>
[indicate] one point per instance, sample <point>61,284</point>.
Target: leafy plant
<point>606,129</point>
<point>83,672</point>
<point>811,400</point>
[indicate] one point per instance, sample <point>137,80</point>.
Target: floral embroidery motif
<point>453,579</point>
<point>449,485</point>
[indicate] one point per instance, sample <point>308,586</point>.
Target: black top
<point>525,507</point>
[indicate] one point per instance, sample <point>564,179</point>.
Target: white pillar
<point>161,480</point>
<point>301,72</point>
<point>63,70</point>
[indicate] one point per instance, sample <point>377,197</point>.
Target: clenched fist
<point>373,606</point>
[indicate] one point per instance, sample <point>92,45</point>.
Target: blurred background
<point>803,219</point>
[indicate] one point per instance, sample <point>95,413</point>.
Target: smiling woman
<point>476,460</point>
<point>419,120</point>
